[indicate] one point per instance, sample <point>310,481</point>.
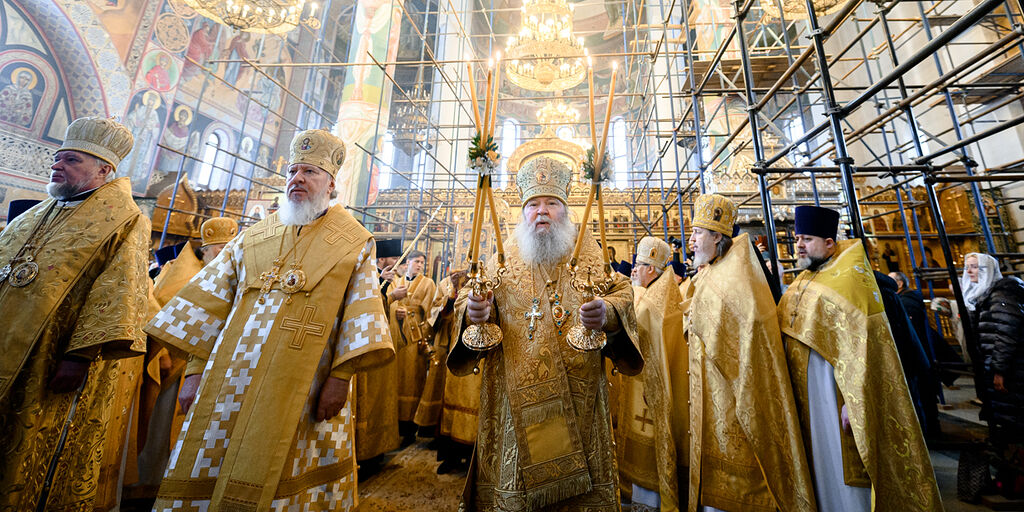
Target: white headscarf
<point>988,274</point>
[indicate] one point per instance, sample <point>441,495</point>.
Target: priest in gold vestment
<point>409,303</point>
<point>648,450</point>
<point>275,327</point>
<point>746,452</point>
<point>70,273</point>
<point>862,435</point>
<point>545,440</point>
<point>439,317</point>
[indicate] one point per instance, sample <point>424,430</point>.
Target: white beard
<point>702,258</point>
<point>636,282</point>
<point>300,213</point>
<point>62,191</point>
<point>548,247</point>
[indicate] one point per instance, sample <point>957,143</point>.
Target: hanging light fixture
<point>557,114</point>
<point>544,55</point>
<point>258,16</point>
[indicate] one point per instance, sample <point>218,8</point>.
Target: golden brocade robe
<point>411,358</point>
<point>376,408</point>
<point>838,313</point>
<point>545,440</point>
<point>647,452</point>
<point>249,441</point>
<point>428,412</point>
<point>85,301</point>
<point>746,453</point>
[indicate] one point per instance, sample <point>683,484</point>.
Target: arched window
<point>387,160</point>
<point>509,143</point>
<point>209,159</point>
<point>620,153</point>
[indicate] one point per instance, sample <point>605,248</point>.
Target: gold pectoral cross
<point>533,315</point>
<point>268,279</point>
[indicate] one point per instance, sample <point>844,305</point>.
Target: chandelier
<point>259,16</point>
<point>410,119</point>
<point>797,9</point>
<point>557,114</point>
<point>545,56</point>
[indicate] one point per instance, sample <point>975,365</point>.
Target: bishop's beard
<point>304,211</point>
<point>547,247</point>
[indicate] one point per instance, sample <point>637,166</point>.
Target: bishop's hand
<point>478,309</point>
<point>187,394</point>
<point>333,396</point>
<point>593,314</point>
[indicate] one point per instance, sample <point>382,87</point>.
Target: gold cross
<point>644,421</point>
<point>302,327</point>
<point>534,314</point>
<point>268,279</point>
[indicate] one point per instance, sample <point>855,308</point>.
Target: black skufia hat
<point>817,221</point>
<point>391,248</point>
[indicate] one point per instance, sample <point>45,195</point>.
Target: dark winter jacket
<point>916,365</point>
<point>1001,336</point>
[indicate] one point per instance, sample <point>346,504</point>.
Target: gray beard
<point>700,258</point>
<point>810,263</point>
<point>545,248</point>
<point>62,191</point>
<point>301,213</point>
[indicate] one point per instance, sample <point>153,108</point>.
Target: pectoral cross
<point>268,279</point>
<point>533,315</point>
<point>644,420</point>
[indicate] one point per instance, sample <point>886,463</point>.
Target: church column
<point>366,96</point>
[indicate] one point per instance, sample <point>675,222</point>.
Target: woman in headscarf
<point>981,271</point>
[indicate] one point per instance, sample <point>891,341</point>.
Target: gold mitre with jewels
<point>654,252</point>
<point>218,230</point>
<point>714,212</point>
<point>100,137</point>
<point>320,148</point>
<point>544,176</point>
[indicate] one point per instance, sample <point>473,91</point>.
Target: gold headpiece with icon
<point>218,230</point>
<point>654,252</point>
<point>544,176</point>
<point>320,148</point>
<point>714,212</point>
<point>100,137</point>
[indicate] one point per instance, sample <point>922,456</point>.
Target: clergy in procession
<point>746,452</point>
<point>71,269</point>
<point>862,435</point>
<point>159,415</point>
<point>376,396</point>
<point>651,433</point>
<point>545,440</point>
<point>409,300</point>
<point>439,317</point>
<point>460,400</point>
<point>275,326</point>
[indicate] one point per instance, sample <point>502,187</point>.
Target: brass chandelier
<point>557,114</point>
<point>258,16</point>
<point>545,56</point>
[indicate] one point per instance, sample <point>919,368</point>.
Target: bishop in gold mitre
<point>71,269</point>
<point>409,300</point>
<point>746,452</point>
<point>862,434</point>
<point>275,326</point>
<point>159,415</point>
<point>545,439</point>
<point>651,437</point>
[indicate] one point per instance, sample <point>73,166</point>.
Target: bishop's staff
<point>579,337</point>
<point>484,158</point>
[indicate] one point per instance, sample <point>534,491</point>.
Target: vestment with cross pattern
<point>249,441</point>
<point>545,440</point>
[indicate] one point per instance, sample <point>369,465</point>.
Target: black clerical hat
<point>817,221</point>
<point>390,248</point>
<point>19,206</point>
<point>165,254</point>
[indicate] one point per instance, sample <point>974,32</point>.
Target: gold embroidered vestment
<point>838,313</point>
<point>411,360</point>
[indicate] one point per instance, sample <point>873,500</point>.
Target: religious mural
<point>145,119</point>
<point>20,92</point>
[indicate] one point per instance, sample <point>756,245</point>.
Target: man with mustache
<point>745,447</point>
<point>274,328</point>
<point>862,435</point>
<point>71,269</point>
<point>651,429</point>
<point>544,439</point>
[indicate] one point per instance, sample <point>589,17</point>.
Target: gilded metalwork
<point>23,274</point>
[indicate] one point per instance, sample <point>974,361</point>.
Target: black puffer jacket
<point>1001,335</point>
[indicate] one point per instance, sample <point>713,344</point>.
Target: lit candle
<point>607,116</point>
<point>312,9</point>
<point>472,95</point>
